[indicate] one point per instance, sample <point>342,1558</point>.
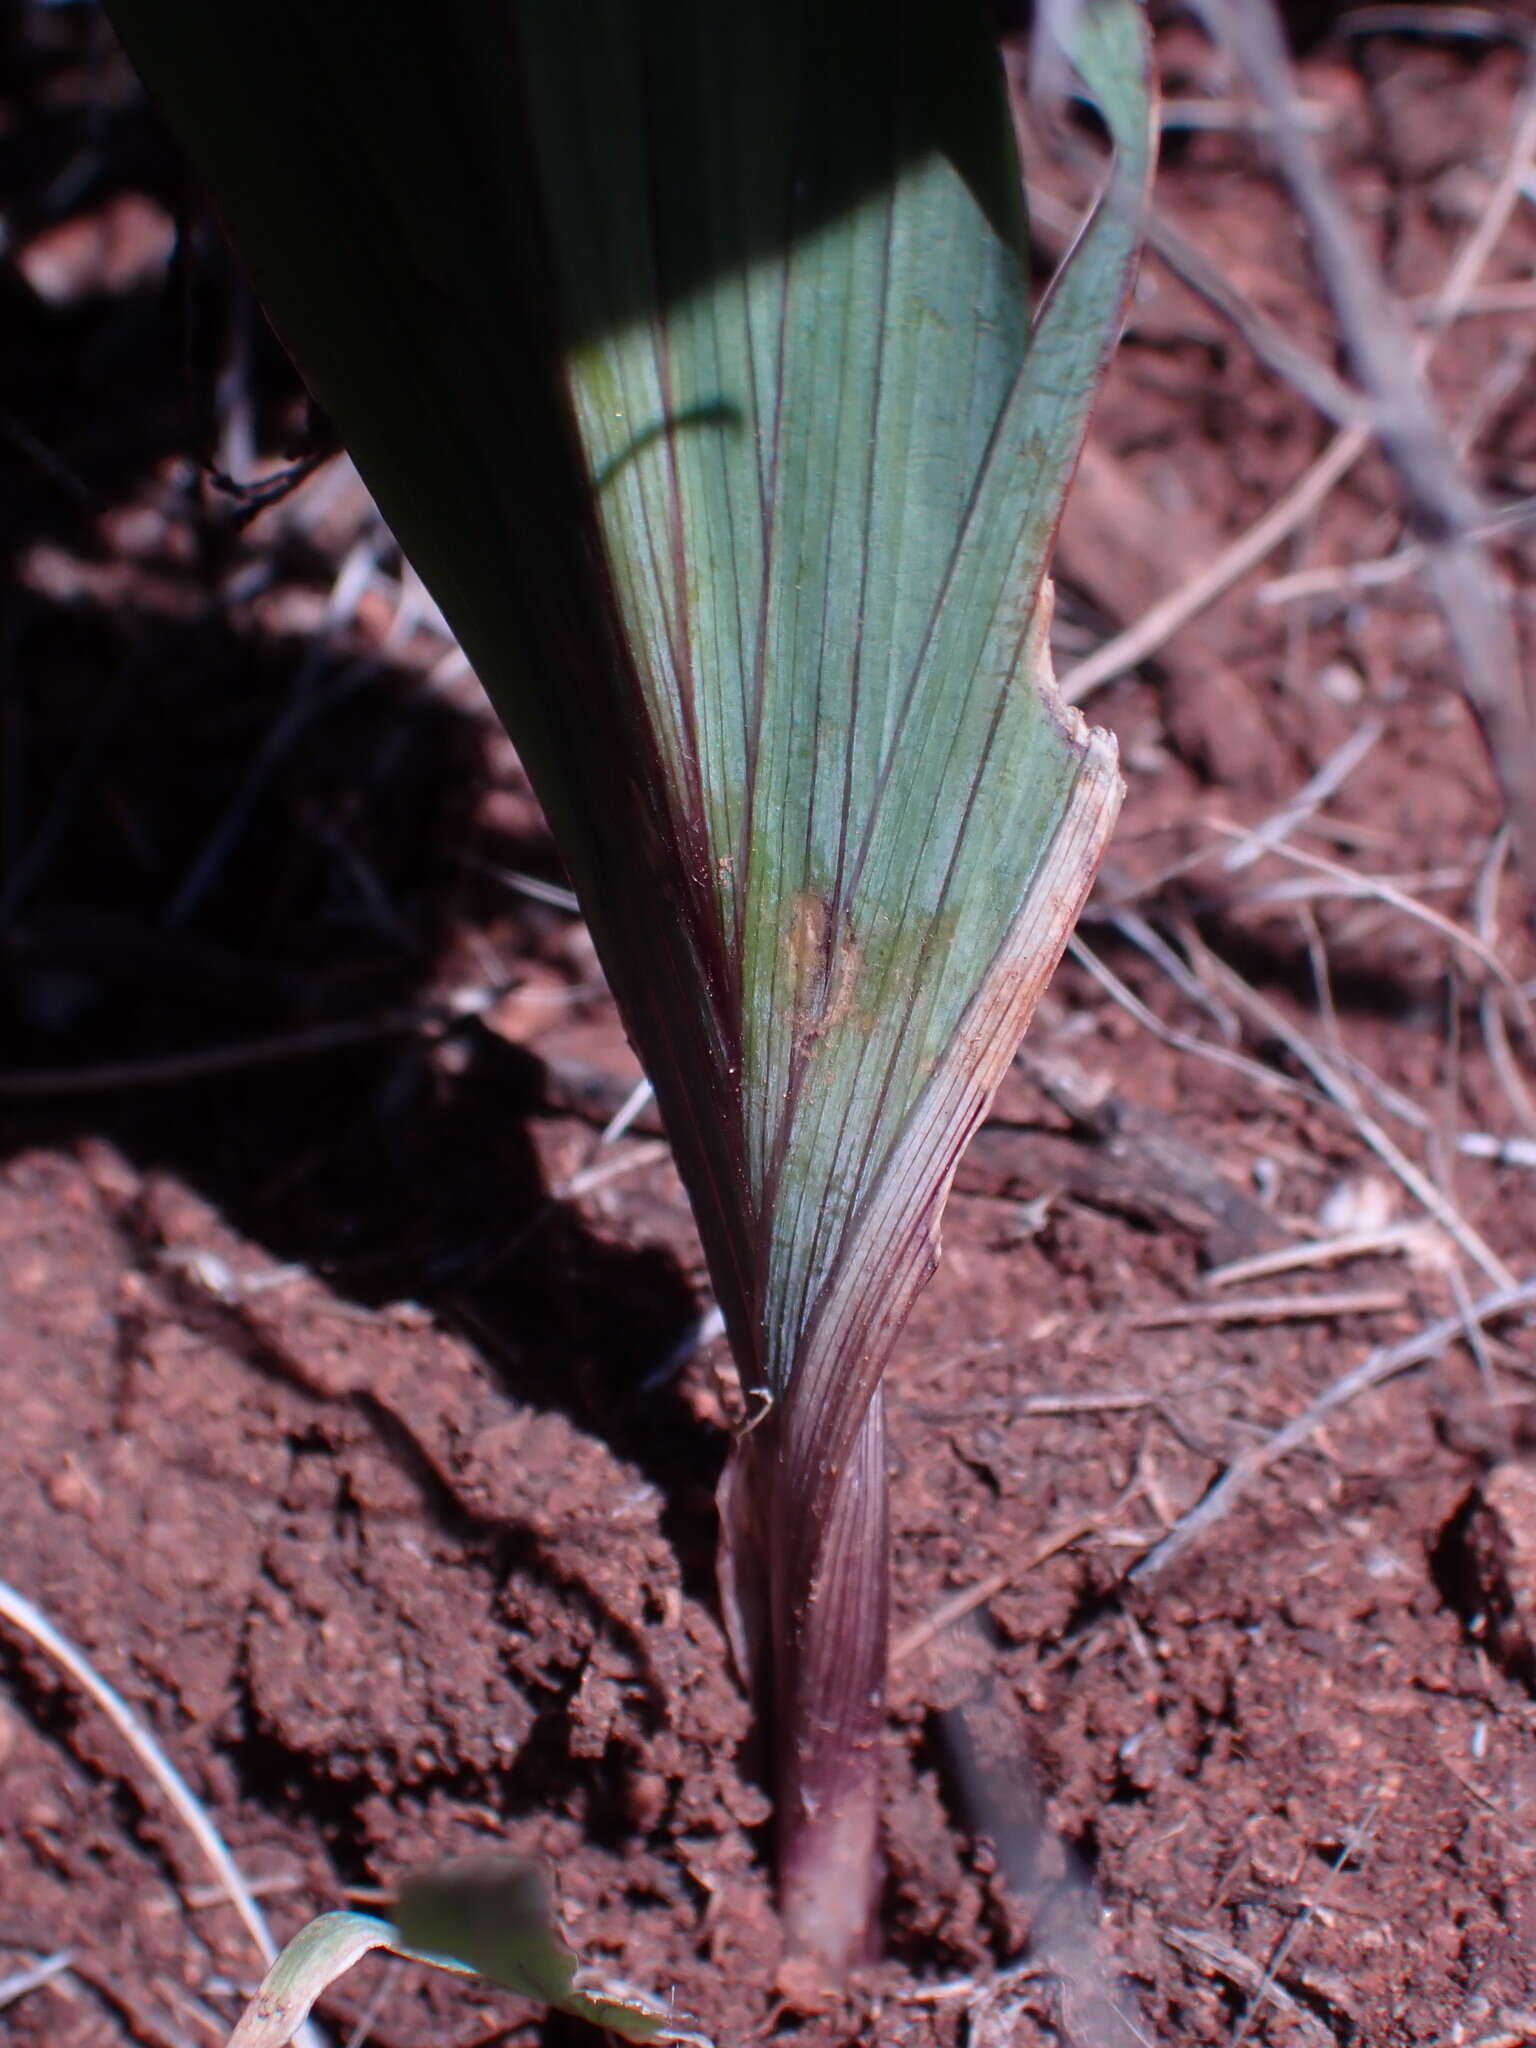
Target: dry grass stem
<point>1081,1404</point>
<point>197,1898</point>
<point>1475,24</point>
<point>1376,334</point>
<point>1517,296</point>
<point>177,1793</point>
<point>1326,782</point>
<point>637,1100</point>
<point>1363,886</point>
<point>1268,1988</point>
<point>1132,926</point>
<point>143,2022</point>
<point>1219,1958</point>
<point>965,1602</point>
<point>1339,1076</point>
<point>1262,837</point>
<point>1382,570</point>
<point>1477,1343</point>
<point>1350,882</point>
<point>1016,1405</point>
<point>1485,911</point>
<point>969,1598</point>
<point>602,1171</point>
<point>1126,649</point>
<point>170,1070</point>
<point>1344,1094</point>
<point>552,894</point>
<point>1338,402</point>
<point>1520,1152</point>
<point>1273,1308</point>
<point>21,1982</point>
<point>1267,1078</point>
<point>1378,1367</point>
<point>1442,503</point>
<point>1323,1251</point>
<point>1268,341</point>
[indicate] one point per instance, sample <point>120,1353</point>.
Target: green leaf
<point>487,1916</point>
<point>777,682</point>
<point>834,458</point>
<point>317,1955</point>
<point>686,349</point>
<point>492,1914</point>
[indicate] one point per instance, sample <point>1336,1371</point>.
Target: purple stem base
<point>830,1635</point>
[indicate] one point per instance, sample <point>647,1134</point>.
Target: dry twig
<point>1379,1366</point>
<point>1348,882</point>
<point>1327,781</point>
<point>1442,505</point>
<point>1342,1091</point>
<point>1490,1009</point>
<point>1375,574</point>
<point>1324,1251</point>
<point>1268,1987</point>
<point>1209,1952</point>
<point>21,1982</point>
<point>1272,1308</point>
<point>1126,649</point>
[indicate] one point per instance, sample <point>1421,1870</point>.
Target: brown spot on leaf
<point>826,961</point>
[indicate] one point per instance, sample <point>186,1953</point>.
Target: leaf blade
<point>488,1916</point>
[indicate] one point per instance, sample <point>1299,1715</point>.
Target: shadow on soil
<point>216,835</point>
<point>221,835</point>
<point>178,887</point>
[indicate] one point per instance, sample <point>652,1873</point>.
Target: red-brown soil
<point>339,1433</point>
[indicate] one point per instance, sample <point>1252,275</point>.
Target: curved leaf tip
<point>488,1916</point>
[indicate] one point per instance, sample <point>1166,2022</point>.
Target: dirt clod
<point>1488,1552</point>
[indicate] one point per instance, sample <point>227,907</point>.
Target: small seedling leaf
<point>492,1914</point>
<point>317,1955</point>
<point>488,1916</point>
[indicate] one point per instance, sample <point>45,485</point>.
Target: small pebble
<point>1341,683</point>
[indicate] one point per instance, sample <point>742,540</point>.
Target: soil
<point>358,1422</point>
